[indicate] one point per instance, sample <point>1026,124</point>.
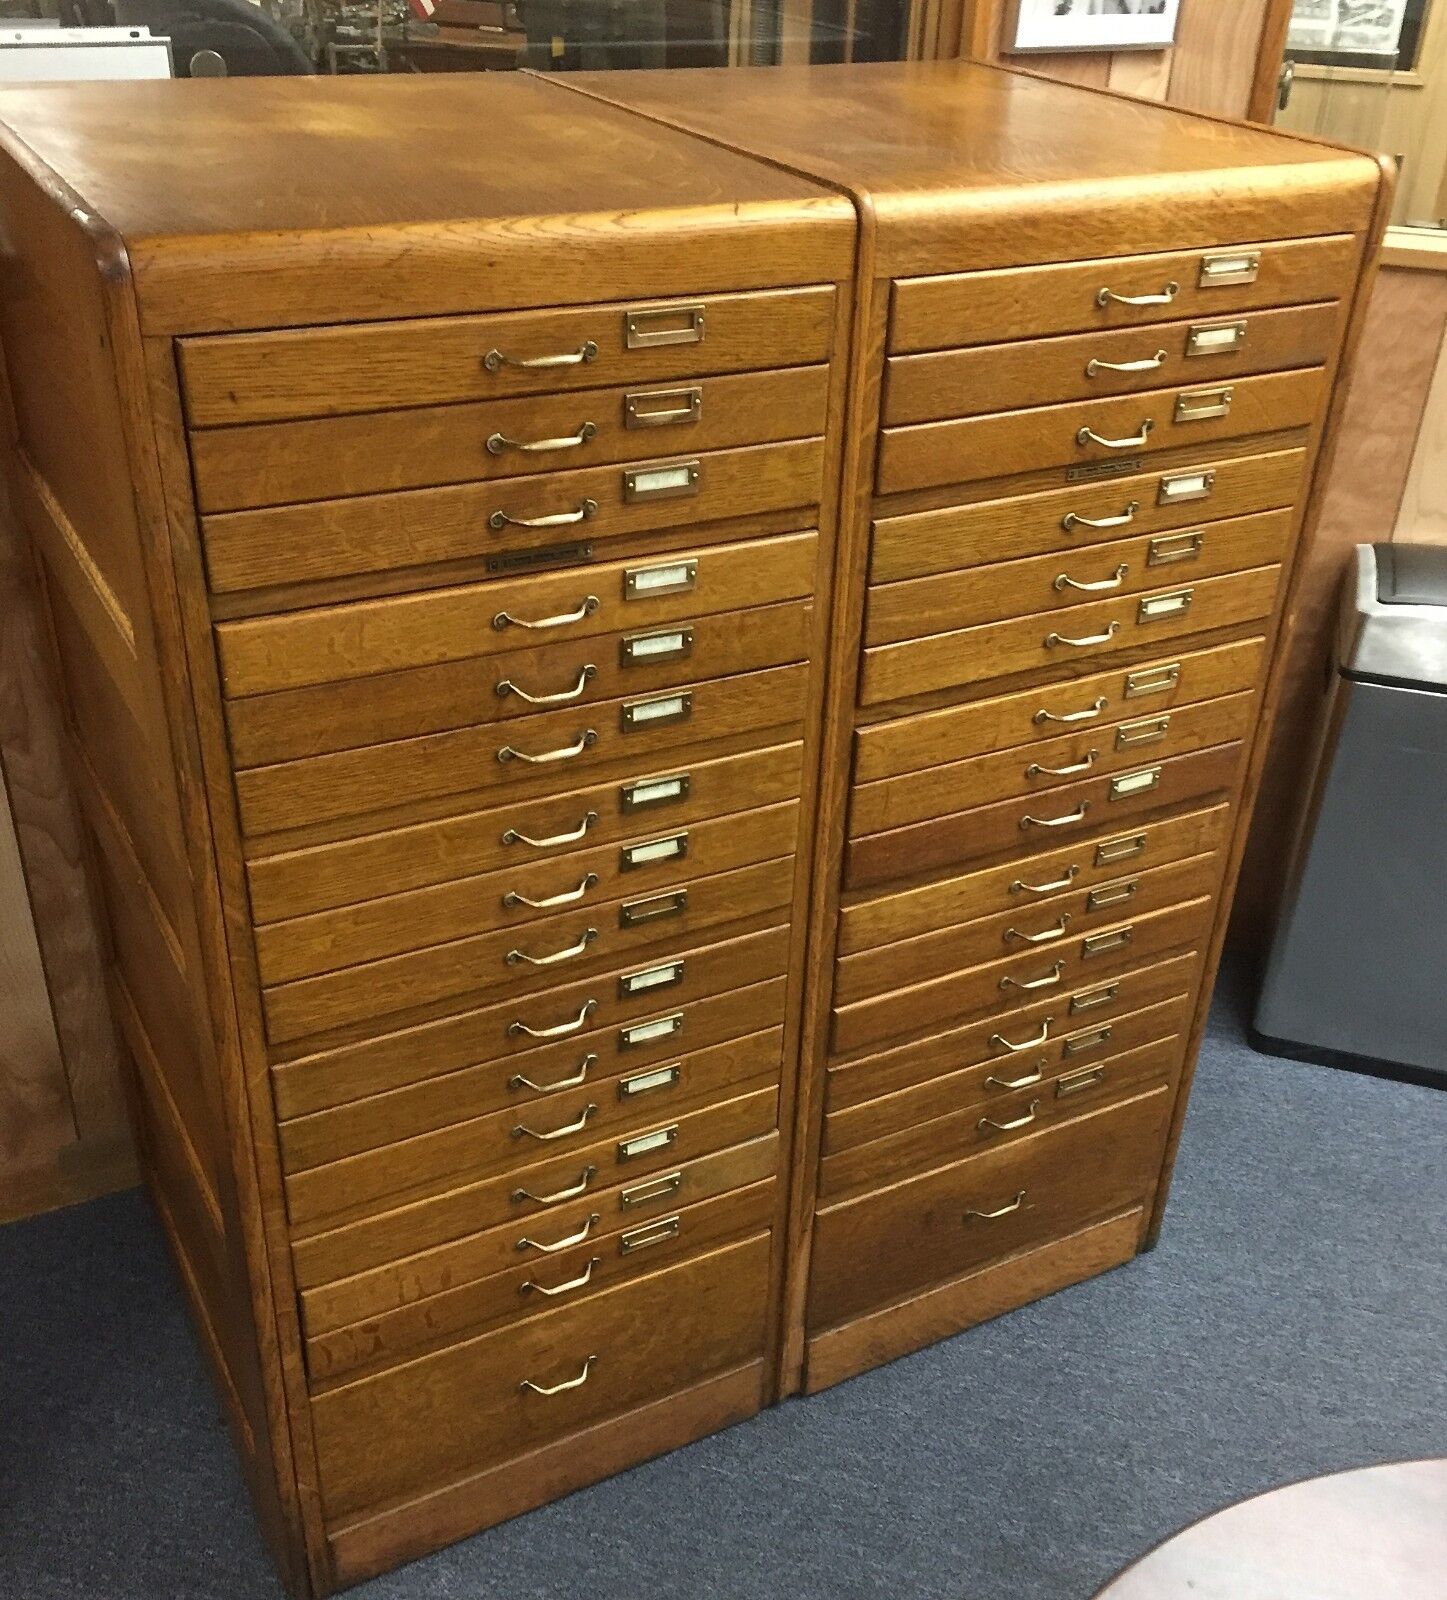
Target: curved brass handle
<point>569,897</point>
<point>1078,815</point>
<point>1065,581</point>
<point>1047,937</point>
<point>589,736</point>
<point>520,1132</point>
<point>1088,715</point>
<point>584,939</point>
<point>528,1286</point>
<point>1108,297</point>
<point>1071,874</point>
<point>1053,639</point>
<point>517,1081</point>
<point>1035,770</point>
<point>495,360</point>
<point>559,1030</point>
<point>559,1244</point>
<point>1050,978</point>
<point>527,1386</point>
<point>1093,369</point>
<point>498,442</point>
<point>1029,1044</point>
<point>570,1193</point>
<point>1019,1083</point>
<point>1009,1127</point>
<point>586,674</point>
<point>505,619</point>
<point>558,519</point>
<point>1073,520</point>
<point>1090,436</point>
<point>1004,1211</point>
<point>512,836</point>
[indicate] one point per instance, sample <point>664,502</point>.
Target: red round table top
<point>1376,1534</point>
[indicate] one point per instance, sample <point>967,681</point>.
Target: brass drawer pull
<point>1134,442</point>
<point>640,1194</point>
<point>1108,297</point>
<point>637,1033</point>
<point>517,1081</point>
<point>1074,1082</point>
<point>1090,713</point>
<point>505,619</point>
<point>559,1030</point>
<point>521,1132</point>
<point>1114,894</point>
<point>1048,936</point>
<point>1079,1043</point>
<point>559,1244</point>
<point>527,1386</point>
<point>499,442</point>
<point>647,1082</point>
<point>1049,980</point>
<point>1149,731</point>
<point>1054,639</point>
<point>1065,581</point>
<point>644,1144</point>
<point>589,736</point>
<point>1073,520</point>
<point>646,330</point>
<point>1071,874</point>
<point>586,674</point>
<point>1078,815</point>
<point>569,897</point>
<point>653,791</point>
<point>1203,405</point>
<point>1027,1082</point>
<point>557,519</point>
<point>650,1233</point>
<point>1093,369</point>
<point>989,1125</point>
<point>1004,1211</point>
<point>528,1286</point>
<point>1035,770</point>
<point>999,1040</point>
<point>662,408</point>
<point>517,957</point>
<point>1126,848</point>
<point>512,836</point>
<point>495,360</point>
<point>647,852</point>
<point>1173,547</point>
<point>634,913</point>
<point>570,1193</point>
<point>1100,944</point>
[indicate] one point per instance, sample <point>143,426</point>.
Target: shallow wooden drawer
<point>543,1036</point>
<point>970,308</point>
<point>295,649</point>
<point>549,750</point>
<point>930,454</point>
<point>1080,810</point>
<point>384,532</point>
<point>1023,929</point>
<point>1063,639</point>
<point>956,537</point>
<point>1015,1042</point>
<point>513,962</point>
<point>318,372</point>
<point>382,451</point>
<point>1069,757</point>
<point>531,1283</point>
<point>1044,584</point>
<point>500,689</point>
<point>1006,377</point>
<point>529,836</point>
<point>466,1407</point>
<point>996,989</point>
<point>881,1246</point>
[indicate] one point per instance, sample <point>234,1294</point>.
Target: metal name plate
<point>653,791</point>
<point>660,977</point>
<point>549,555</point>
<point>1126,848</point>
<point>647,1032</point>
<point>644,1144</point>
<point>1132,783</point>
<point>648,853</point>
<point>645,1082</point>
<point>668,577</point>
<point>1178,486</point>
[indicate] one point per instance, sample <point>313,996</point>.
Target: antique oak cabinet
<point>666,674</point>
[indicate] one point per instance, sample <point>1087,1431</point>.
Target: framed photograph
<point>1092,24</point>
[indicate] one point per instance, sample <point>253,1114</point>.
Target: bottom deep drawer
<point>414,1427</point>
<point>892,1242</point>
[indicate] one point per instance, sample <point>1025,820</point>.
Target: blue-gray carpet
<point>1291,1322</point>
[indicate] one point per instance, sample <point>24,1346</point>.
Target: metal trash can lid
<point>1393,624</point>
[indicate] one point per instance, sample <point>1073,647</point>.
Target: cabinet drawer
<point>318,372</point>
<point>1044,584</point>
<point>957,537</point>
<point>1075,811</point>
<point>467,1407</point>
<point>531,1283</point>
<point>931,454</point>
<point>513,962</point>
<point>1002,986</point>
<point>1080,633</point>
<point>550,749</point>
<point>583,508</point>
<point>382,451</point>
<point>259,655</point>
<point>1006,377</point>
<point>1026,302</point>
<point>885,1245</point>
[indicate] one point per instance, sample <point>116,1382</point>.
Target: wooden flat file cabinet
<point>666,702</point>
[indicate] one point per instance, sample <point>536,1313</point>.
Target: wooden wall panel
<point>1218,43</point>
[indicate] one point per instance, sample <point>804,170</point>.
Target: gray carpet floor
<point>1291,1322</point>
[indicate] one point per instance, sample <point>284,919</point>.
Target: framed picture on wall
<point>1091,24</point>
